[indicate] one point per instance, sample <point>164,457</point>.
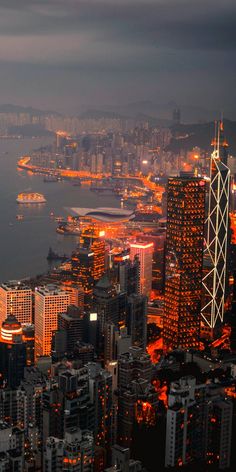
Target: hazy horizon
<point>79,54</point>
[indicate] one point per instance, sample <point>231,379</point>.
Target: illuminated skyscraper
<point>49,302</point>
<point>90,239</point>
<point>183,265</point>
<point>16,299</point>
<point>144,251</point>
<point>215,251</point>
<point>12,352</point>
<point>88,262</point>
<point>82,262</point>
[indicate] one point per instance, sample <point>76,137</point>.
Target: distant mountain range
<point>9,108</point>
<point>188,136</point>
<point>146,109</point>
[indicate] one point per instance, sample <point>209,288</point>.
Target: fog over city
<point>77,54</point>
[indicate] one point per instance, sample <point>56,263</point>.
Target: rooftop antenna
<point>215,136</point>
<point>218,140</point>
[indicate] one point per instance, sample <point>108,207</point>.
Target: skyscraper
<point>90,239</point>
<point>216,239</point>
<point>137,319</point>
<point>183,265</point>
<point>16,299</point>
<point>199,424</point>
<point>49,302</point>
<point>127,273</point>
<point>144,251</point>
<point>12,352</point>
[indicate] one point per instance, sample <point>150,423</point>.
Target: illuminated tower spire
<point>215,252</point>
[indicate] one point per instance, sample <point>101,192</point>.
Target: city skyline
<point>118,235</point>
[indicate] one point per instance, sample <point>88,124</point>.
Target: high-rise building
<point>183,264</point>
<point>134,364</point>
<point>144,251</point>
<point>100,387</point>
<point>134,391</point>
<point>198,425</point>
<point>90,239</point>
<point>122,462</point>
<point>137,320</point>
<point>72,322</point>
<point>82,261</point>
<point>49,302</point>
<point>66,404</point>
<point>16,299</point>
<point>127,273</point>
<point>216,238</point>
<point>109,303</point>
<point>11,447</point>
<point>75,452</point>
<point>12,353</point>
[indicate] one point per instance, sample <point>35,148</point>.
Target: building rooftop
<point>14,285</point>
<point>103,213</point>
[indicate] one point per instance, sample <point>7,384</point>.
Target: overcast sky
<point>62,54</point>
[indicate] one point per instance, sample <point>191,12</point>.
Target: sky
<point>69,54</point>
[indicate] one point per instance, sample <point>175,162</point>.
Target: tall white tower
<point>215,250</point>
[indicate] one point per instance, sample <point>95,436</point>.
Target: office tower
<point>50,300</point>
<point>134,364</point>
<point>109,303</point>
<point>111,335</point>
<point>52,413</point>
<point>76,293</point>
<point>127,273</point>
<point>28,337</point>
<point>82,271</point>
<point>90,239</point>
<point>183,263</point>
<point>134,392</point>
<point>84,352</point>
<point>137,320</point>
<point>75,452</point>
<point>100,387</point>
<point>144,251</point>
<point>32,386</point>
<point>215,251</point>
<point>72,323</point>
<point>159,240</point>
<point>12,353</point>
<point>66,403</point>
<point>123,342</point>
<point>198,425</point>
<point>16,299</point>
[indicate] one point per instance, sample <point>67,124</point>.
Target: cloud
<point>118,48</point>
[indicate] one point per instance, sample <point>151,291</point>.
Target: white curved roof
<point>103,213</point>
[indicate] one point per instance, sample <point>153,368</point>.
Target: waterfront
<point>25,243</point>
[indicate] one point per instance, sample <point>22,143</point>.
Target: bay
<point>24,243</point>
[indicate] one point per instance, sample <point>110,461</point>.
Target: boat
<point>31,198</point>
<point>53,256</point>
<point>76,183</point>
<point>50,178</point>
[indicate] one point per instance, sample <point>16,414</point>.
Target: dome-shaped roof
<point>10,327</point>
